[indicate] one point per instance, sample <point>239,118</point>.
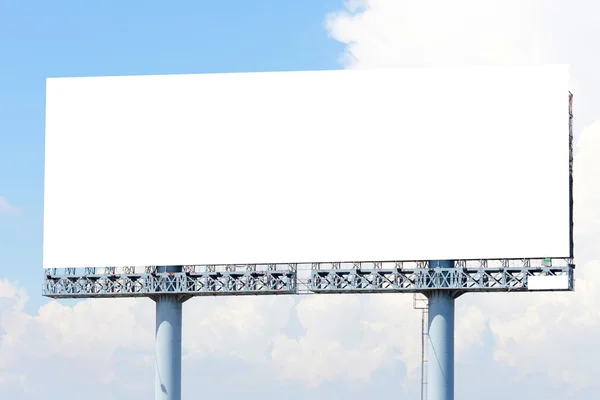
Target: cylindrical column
<point>440,349</point>
<point>168,345</point>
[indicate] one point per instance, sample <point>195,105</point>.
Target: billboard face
<point>320,166</point>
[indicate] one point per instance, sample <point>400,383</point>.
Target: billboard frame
<point>571,222</point>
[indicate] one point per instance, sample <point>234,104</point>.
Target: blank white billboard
<point>319,166</point>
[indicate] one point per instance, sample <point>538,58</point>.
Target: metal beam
<point>144,285</point>
<point>276,279</point>
<point>424,279</point>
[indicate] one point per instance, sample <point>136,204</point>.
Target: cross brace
<point>274,279</point>
<point>144,285</point>
<point>423,280</point>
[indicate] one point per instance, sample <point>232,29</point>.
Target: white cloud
<point>346,338</point>
<point>110,342</point>
<point>416,33</point>
<point>6,207</point>
<point>349,337</point>
<point>238,327</point>
<point>82,339</point>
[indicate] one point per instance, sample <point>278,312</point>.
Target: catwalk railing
<point>273,279</point>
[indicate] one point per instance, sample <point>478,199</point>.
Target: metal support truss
<point>126,282</point>
<point>465,276</point>
<point>274,279</point>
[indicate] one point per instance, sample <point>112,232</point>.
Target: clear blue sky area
<point>41,39</point>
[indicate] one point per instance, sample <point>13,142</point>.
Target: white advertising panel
<point>319,166</point>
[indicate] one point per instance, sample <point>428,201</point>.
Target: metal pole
<point>168,343</point>
<point>423,344</point>
<point>440,349</point>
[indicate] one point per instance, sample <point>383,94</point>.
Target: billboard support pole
<point>440,343</point>
<point>168,341</point>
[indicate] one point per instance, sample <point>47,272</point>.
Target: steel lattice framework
<point>113,284</point>
<point>277,279</point>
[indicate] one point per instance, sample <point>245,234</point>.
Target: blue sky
<point>42,39</point>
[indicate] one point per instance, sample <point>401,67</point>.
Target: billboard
<point>308,166</point>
